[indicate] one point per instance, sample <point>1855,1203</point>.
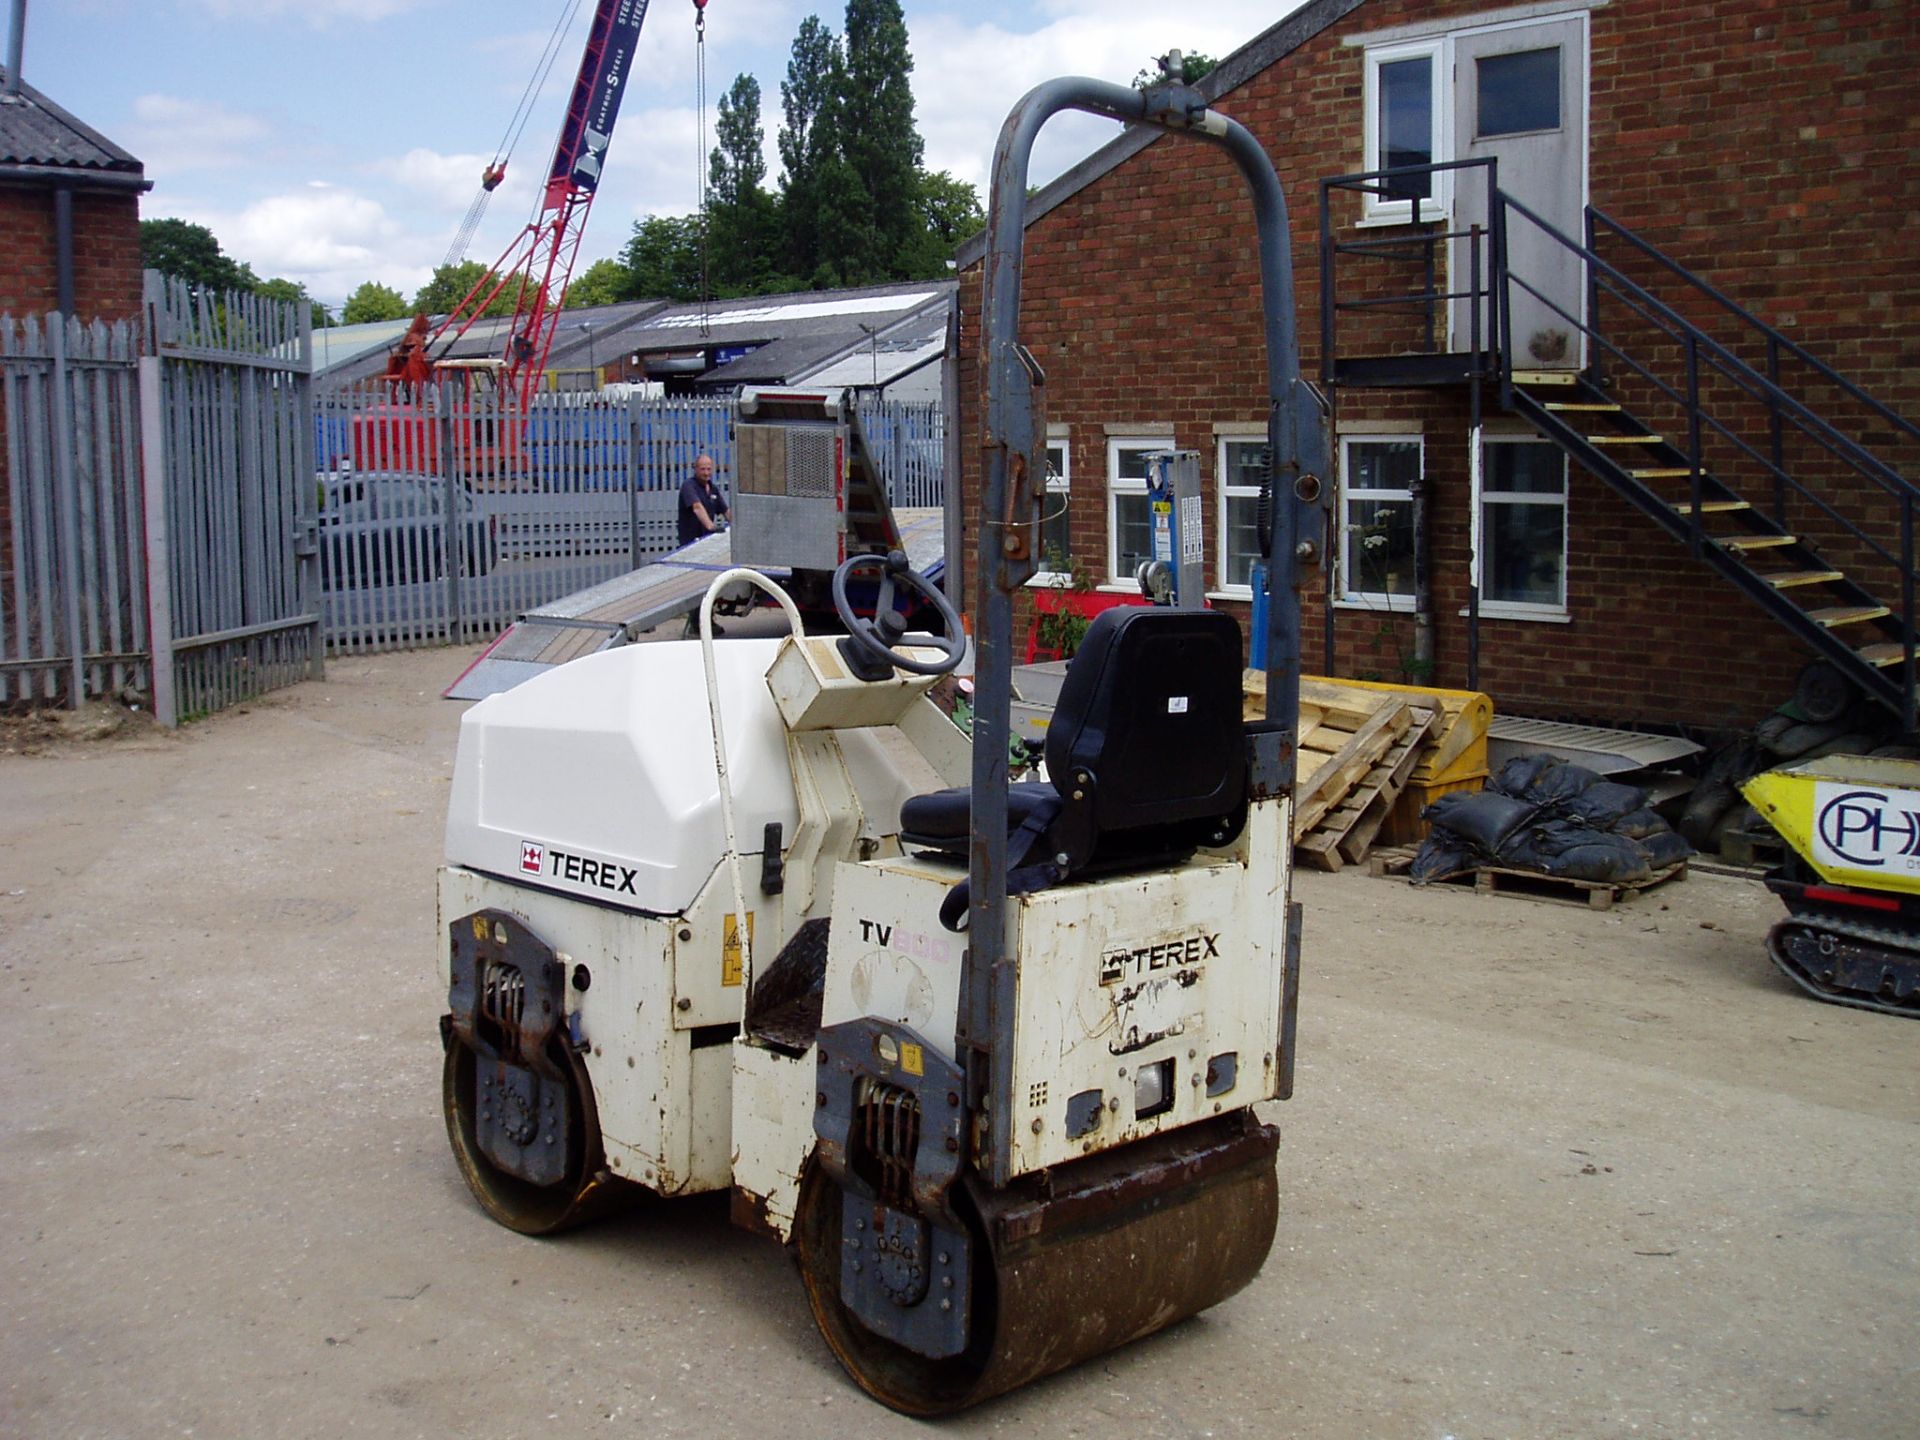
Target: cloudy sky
<point>336,141</point>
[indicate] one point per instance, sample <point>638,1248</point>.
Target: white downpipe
<point>718,726</point>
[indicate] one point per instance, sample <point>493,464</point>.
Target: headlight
<point>1153,1089</point>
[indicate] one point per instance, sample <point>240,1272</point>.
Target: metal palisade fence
<point>446,513</point>
<point>73,585</point>
<point>156,510</point>
<point>183,521</point>
<point>228,460</point>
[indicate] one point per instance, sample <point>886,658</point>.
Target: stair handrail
<point>1719,426</point>
<point>1371,182</point>
<point>1798,351</point>
<point>1862,459</point>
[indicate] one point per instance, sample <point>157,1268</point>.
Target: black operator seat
<point>1146,754</point>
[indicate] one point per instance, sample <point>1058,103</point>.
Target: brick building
<point>69,213</point>
<point>1770,152</point>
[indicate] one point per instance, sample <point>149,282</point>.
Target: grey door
<point>1520,95</point>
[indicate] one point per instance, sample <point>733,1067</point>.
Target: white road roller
<point>757,917</point>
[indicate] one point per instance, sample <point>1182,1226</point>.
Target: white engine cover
<point>597,778</point>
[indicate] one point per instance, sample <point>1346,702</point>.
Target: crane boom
<point>539,261</point>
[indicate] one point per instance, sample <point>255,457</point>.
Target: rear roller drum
<point>585,1189</point>
<point>1114,1248</point>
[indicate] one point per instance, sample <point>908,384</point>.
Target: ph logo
<point>533,858</point>
<point>1868,828</point>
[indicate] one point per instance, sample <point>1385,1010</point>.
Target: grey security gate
<point>73,589</point>
<point>230,496</point>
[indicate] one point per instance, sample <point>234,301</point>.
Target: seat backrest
<point>1151,710</point>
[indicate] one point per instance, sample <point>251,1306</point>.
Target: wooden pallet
<point>1344,835</point>
<point>1531,884</point>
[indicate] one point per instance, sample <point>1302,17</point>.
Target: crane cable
<point>496,171</point>
<point>700,157</point>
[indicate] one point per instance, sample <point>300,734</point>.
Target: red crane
<point>539,261</point>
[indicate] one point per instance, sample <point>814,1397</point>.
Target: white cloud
<point>448,183</point>
<point>326,238</point>
<point>171,134</point>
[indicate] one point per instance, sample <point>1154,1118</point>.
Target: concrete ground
<point>1549,1172</point>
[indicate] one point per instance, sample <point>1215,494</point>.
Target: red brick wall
<point>1772,148</point>
<point>106,254</point>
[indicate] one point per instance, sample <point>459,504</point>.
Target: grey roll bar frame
<point>1014,472</point>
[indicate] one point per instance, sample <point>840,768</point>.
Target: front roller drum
<point>1069,1264</point>
<point>584,1190</point>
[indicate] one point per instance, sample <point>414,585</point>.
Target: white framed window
<point>1056,529</point>
<point>1521,546</point>
<point>1409,121</point>
<point>1377,476</point>
<point>1239,466</point>
<point>1129,522</point>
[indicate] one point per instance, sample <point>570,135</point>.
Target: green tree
<point>294,293</point>
<point>663,257</point>
<point>452,283</point>
<point>743,219</point>
<point>809,140</point>
<point>879,141</point>
<point>1193,69</point>
<point>191,253</point>
<point>374,301</point>
<point>605,282</point>
<point>946,212</point>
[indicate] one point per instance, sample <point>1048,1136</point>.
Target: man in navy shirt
<point>701,504</point>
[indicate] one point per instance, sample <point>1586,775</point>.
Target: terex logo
<point>1868,828</point>
<point>1118,965</point>
<point>602,874</point>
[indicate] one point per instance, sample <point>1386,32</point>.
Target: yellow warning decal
<point>480,928</point>
<point>913,1059</point>
<point>730,963</point>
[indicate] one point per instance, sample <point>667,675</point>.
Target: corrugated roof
<point>36,132</point>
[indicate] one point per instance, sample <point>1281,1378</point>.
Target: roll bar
<point>1011,496</point>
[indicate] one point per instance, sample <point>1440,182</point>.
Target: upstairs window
<point>1406,125</point>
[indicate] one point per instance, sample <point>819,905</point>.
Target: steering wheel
<point>877,640</point>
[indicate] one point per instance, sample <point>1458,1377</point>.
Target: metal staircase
<point>1772,468</point>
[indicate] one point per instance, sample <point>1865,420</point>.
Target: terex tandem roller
<point>754,916</point>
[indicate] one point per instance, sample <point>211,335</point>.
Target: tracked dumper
<point>1852,882</point>
<point>756,917</point>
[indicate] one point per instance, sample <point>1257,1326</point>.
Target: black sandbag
<point>1639,824</point>
<point>1484,821</point>
<point>1718,789</point>
<point>1533,846</point>
<point>1769,730</point>
<point>1441,857</point>
<point>1796,740</point>
<point>1516,777</point>
<point>1664,849</point>
<point>1605,803</point>
<point>1543,779</point>
<point>1608,859</point>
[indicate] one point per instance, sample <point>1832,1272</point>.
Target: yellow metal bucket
<point>1854,818</point>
